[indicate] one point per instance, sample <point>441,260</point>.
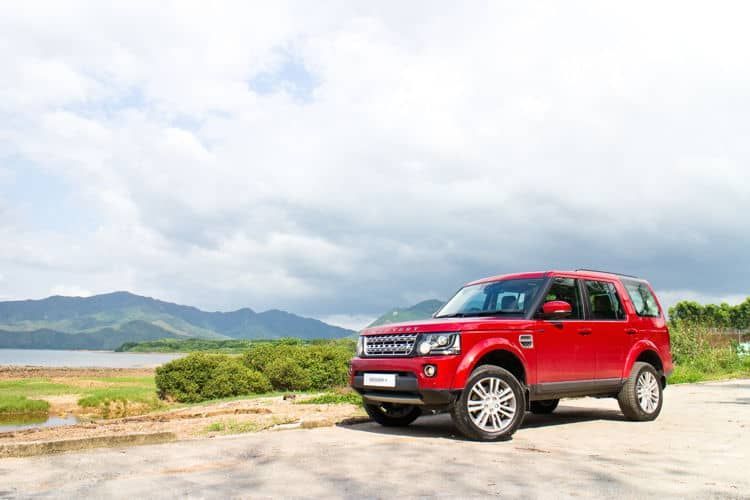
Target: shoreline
<point>11,372</point>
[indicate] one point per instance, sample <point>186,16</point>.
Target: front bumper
<point>412,385</point>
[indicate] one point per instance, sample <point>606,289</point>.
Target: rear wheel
<point>641,397</point>
<point>491,407</point>
<point>544,407</point>
<point>393,415</point>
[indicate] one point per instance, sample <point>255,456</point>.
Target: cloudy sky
<point>336,159</point>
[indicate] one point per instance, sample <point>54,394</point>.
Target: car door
<point>565,352</point>
<point>609,327</point>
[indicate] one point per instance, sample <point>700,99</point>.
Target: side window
<point>603,300</point>
<point>566,289</point>
<point>643,300</point>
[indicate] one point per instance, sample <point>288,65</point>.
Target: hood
<point>451,325</point>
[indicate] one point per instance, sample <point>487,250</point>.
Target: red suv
<point>507,344</point>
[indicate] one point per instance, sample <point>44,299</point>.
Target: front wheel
<point>491,407</point>
<point>393,415</point>
<point>641,397</point>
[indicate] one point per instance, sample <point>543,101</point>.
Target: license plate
<point>380,379</point>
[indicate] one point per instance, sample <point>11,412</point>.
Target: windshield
<point>507,298</point>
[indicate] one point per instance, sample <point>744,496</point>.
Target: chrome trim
<point>400,344</point>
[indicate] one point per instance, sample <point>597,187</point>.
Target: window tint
<point>643,299</point>
<point>603,300</point>
<point>566,289</point>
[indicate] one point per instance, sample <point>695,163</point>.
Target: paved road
<point>699,447</point>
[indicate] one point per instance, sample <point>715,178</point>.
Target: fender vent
<point>526,341</point>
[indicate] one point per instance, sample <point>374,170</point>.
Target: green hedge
<point>198,377</point>
<point>287,365</point>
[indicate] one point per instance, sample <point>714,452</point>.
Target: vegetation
<point>700,355</point>
<point>335,397</point>
<point>235,346</point>
<point>235,427</point>
<point>107,396</point>
<point>712,315</point>
<point>199,376</point>
<point>15,405</point>
<point>120,401</point>
<point>288,365</point>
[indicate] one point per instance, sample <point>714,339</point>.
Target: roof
<point>583,273</point>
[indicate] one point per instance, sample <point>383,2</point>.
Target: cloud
<point>345,159</point>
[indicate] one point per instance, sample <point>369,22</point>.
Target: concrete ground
<point>699,447</point>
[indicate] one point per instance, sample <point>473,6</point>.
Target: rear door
<point>565,350</point>
<point>610,336</point>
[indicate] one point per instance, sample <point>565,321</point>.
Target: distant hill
<point>107,321</point>
<point>423,310</point>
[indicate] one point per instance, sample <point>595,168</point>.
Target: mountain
<point>107,321</point>
<point>422,310</point>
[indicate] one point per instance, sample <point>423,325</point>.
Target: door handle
<point>584,331</point>
<point>631,331</point>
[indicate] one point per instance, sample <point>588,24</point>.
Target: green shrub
<point>698,355</point>
<point>199,376</point>
<point>296,365</point>
<point>287,375</point>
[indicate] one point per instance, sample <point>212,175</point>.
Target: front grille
<point>400,344</point>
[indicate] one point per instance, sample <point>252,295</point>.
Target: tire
<point>544,407</point>
<point>501,408</point>
<point>393,415</point>
<point>644,379</point>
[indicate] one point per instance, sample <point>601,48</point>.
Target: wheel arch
<point>498,352</point>
<point>645,351</point>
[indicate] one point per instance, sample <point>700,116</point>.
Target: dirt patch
<point>231,417</point>
<point>62,405</point>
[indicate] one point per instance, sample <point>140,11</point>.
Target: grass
<point>333,398</point>
<point>32,387</point>
<point>235,427</point>
<point>17,405</point>
<point>109,396</point>
<point>701,372</point>
<point>126,396</point>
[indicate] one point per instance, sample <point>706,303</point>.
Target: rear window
<point>642,298</point>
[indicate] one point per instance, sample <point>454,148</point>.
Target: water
<point>83,359</point>
<point>19,423</point>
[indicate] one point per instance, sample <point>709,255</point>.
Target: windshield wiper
<point>496,313</point>
<point>479,313</point>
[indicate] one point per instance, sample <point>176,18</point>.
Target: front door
<point>565,349</point>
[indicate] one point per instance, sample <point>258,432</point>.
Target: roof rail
<point>609,272</point>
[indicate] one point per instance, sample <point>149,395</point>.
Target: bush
<point>198,377</point>
<point>288,375</point>
<point>699,355</point>
<point>296,366</point>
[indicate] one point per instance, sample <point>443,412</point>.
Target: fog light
<point>430,370</point>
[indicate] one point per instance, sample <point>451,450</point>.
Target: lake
<point>83,359</point>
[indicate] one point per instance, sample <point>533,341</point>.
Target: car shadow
<point>441,426</point>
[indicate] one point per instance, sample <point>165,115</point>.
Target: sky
<point>337,159</point>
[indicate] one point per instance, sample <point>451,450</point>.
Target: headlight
<point>439,343</point>
<point>360,346</point>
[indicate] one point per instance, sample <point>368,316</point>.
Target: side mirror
<point>556,309</point>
